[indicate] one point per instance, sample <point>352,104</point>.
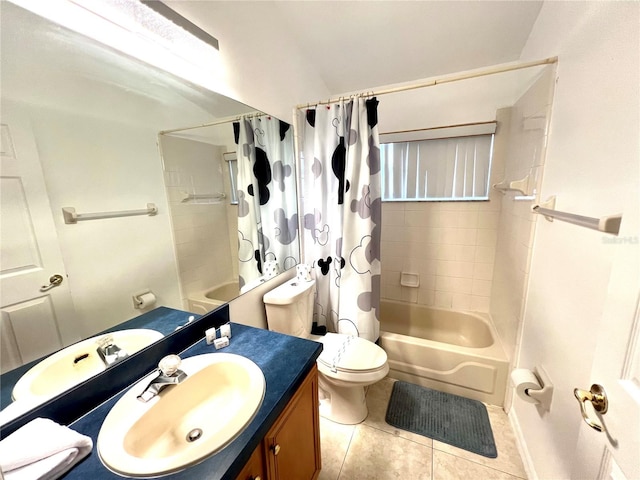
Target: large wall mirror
<point>81,127</point>
<point>232,197</point>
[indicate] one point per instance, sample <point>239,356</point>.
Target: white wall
<point>261,65</point>
<point>98,165</point>
<point>591,165</point>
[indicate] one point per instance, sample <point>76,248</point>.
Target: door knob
<point>54,281</point>
<point>598,399</point>
<point>276,449</point>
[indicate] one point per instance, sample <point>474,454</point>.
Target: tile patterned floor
<point>374,450</point>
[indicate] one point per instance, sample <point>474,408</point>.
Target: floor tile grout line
<point>398,436</point>
<point>433,448</point>
<point>433,462</point>
<point>346,452</point>
<point>483,465</point>
<point>474,461</point>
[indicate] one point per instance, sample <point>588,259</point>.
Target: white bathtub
<point>447,350</point>
<point>211,298</point>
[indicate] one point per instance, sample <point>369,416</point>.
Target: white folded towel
<point>16,409</point>
<point>42,450</point>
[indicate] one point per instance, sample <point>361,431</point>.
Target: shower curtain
<point>340,170</point>
<point>267,209</point>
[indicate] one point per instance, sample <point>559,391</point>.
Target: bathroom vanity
<point>281,442</point>
<point>291,448</point>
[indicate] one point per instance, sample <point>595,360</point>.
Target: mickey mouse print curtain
<point>267,215</point>
<point>340,169</point>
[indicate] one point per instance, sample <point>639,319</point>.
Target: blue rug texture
<point>458,421</point>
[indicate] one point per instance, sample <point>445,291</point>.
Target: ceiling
<point>357,45</point>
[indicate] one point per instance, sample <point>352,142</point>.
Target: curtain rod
<point>213,124</point>
<point>455,125</point>
<point>441,80</point>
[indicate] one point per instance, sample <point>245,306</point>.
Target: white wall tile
<point>443,299</point>
<point>409,294</point>
<point>484,254</point>
<point>438,238</point>
<point>483,271</point>
<point>481,287</point>
<point>461,301</point>
<point>454,284</point>
<point>480,304</point>
<point>467,219</point>
<point>487,238</point>
<point>426,297</point>
<point>488,219</point>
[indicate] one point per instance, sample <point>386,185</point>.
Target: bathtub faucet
<point>170,374</point>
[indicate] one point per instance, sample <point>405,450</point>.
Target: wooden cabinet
<point>291,448</point>
<point>254,469</point>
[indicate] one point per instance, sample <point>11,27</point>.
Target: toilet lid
<point>347,353</point>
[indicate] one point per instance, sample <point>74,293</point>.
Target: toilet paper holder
<point>143,299</point>
<point>544,395</point>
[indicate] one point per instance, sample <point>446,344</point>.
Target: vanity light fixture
<point>149,31</point>
<point>175,17</point>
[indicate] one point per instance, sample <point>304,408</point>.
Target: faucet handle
<point>169,365</point>
<point>105,341</point>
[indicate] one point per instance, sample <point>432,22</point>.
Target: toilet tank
<point>290,308</point>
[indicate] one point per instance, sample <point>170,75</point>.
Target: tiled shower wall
<point>451,245</point>
<point>525,155</point>
<point>474,255</point>
<point>200,228</point>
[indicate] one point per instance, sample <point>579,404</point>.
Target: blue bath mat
<point>458,421</point>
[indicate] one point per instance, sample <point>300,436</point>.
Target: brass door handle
<point>54,281</point>
<point>276,449</point>
<point>598,399</point>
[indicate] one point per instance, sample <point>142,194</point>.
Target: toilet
<point>346,365</point>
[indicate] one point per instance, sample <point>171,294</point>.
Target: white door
<point>614,453</point>
<point>34,322</point>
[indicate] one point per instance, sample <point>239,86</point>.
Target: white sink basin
<point>75,364</point>
<point>184,423</point>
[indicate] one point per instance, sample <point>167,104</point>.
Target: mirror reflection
<point>80,127</point>
<point>238,178</point>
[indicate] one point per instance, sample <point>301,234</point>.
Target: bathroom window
<point>437,169</point>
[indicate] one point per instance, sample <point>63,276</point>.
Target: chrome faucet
<point>170,374</point>
<point>109,352</point>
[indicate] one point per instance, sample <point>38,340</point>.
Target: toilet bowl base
<point>345,405</point>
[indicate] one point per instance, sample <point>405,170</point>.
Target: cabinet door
<point>254,469</point>
<point>292,446</point>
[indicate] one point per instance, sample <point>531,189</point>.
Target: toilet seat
<point>344,357</point>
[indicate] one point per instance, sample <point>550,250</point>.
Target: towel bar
<point>70,215</point>
<point>609,224</point>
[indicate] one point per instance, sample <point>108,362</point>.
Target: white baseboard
<point>522,446</point>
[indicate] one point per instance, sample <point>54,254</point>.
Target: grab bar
<point>609,224</point>
<point>70,215</point>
